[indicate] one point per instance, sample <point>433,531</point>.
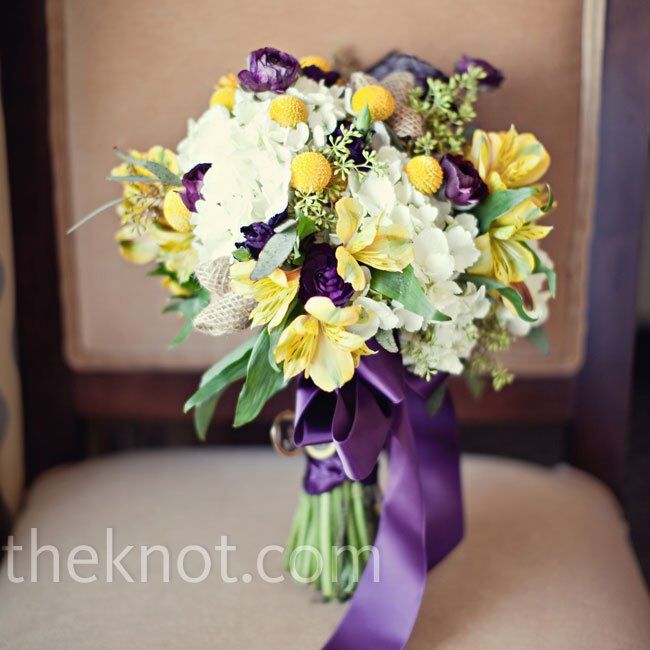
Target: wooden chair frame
<point>592,406</point>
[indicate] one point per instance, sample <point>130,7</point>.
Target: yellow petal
<point>484,264</point>
<point>391,250</point>
<point>331,366</point>
<point>297,345</point>
<point>349,212</point>
<point>529,232</point>
<point>327,312</point>
<point>342,338</point>
<point>364,236</point>
<point>348,268</point>
<point>512,261</point>
<point>240,273</point>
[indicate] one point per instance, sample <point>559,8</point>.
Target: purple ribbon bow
<point>422,516</point>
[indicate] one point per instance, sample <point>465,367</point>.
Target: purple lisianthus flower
<point>356,147</point>
<point>269,69</point>
<point>398,62</point>
<point>319,277</point>
<point>315,73</point>
<point>193,183</point>
<point>493,76</point>
<point>463,185</point>
<point>258,234</point>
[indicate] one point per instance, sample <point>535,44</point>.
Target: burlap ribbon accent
<point>227,312</point>
<point>405,122</point>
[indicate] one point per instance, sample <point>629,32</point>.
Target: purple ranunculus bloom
<point>193,182</point>
<point>258,234</point>
<point>493,76</point>
<point>463,185</point>
<point>319,277</point>
<point>315,73</point>
<point>269,69</point>
<point>398,62</point>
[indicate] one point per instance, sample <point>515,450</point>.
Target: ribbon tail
<point>438,453</point>
<point>388,596</point>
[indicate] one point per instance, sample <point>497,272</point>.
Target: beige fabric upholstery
<point>545,563</point>
<point>130,72</point>
<point>11,442</point>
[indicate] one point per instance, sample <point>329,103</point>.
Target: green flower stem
<point>298,529</point>
<point>326,543</point>
<point>305,560</point>
<point>359,510</point>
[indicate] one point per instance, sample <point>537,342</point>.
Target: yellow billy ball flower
<point>310,172</point>
<point>318,61</point>
<point>425,174</point>
<point>224,96</point>
<point>380,102</point>
<point>175,212</point>
<point>288,111</point>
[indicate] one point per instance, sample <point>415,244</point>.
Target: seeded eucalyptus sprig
<point>447,108</point>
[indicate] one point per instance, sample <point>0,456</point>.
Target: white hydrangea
<point>250,174</point>
<point>443,346</point>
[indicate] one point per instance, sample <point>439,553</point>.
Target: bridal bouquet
<point>376,241</point>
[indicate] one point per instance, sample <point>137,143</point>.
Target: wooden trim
<point>51,435</point>
<point>160,396</point>
<point>603,389</point>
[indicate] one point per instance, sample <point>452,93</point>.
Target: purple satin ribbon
<point>422,515</point>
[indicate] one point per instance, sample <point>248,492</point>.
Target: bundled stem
<point>331,537</point>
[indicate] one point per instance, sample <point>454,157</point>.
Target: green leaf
<point>386,339</point>
<point>203,414</point>
<point>540,267</point>
<point>537,336</point>
<point>306,226</point>
<point>262,381</point>
<point>186,330</point>
<point>476,384</point>
<point>160,171</point>
<point>510,294</point>
<point>498,204</point>
<point>274,253</point>
<point>363,120</point>
<point>241,254</point>
<point>223,373</point>
<point>435,401</point>
<point>404,287</point>
<point>94,213</point>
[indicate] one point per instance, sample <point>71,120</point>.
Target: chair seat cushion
<point>545,562</point>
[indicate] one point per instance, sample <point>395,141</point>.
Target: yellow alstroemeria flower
<point>175,250</point>
<point>504,255</point>
<point>365,240</point>
<point>319,344</point>
<point>144,200</point>
<point>508,159</point>
<point>135,245</point>
<point>274,293</point>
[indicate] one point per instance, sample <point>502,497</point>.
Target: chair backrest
<point>130,73</point>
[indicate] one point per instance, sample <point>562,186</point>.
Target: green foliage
<point>404,287</point>
<point>161,172</point>
<point>386,339</point>
<point>498,203</point>
<point>338,155</point>
<point>492,339</point>
<point>447,108</point>
<point>510,294</point>
<point>262,381</point>
<point>223,373</point>
<point>537,337</point>
<point>274,253</point>
<point>190,307</point>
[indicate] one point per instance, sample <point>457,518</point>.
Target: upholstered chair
<point>546,561</point>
